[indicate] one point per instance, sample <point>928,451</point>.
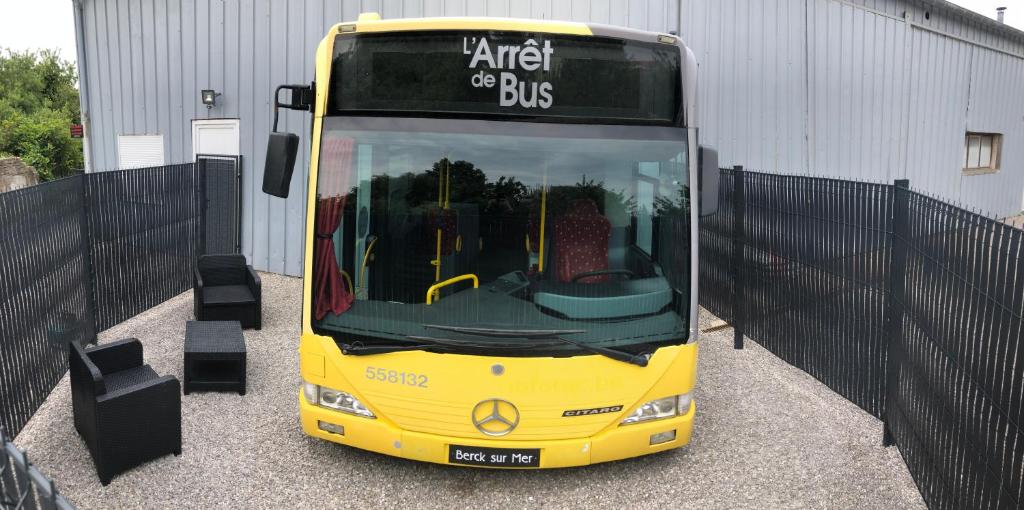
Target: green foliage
<point>38,103</point>
<point>609,202</point>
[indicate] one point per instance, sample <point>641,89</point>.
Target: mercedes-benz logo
<point>495,417</point>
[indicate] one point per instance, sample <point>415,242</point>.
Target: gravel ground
<point>767,436</point>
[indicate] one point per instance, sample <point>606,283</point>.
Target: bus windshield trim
<point>505,128</point>
<point>666,324</point>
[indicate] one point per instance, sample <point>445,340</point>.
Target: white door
<point>215,136</point>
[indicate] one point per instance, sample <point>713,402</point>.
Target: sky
<point>37,24</point>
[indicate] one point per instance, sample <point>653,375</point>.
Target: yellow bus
<point>501,257</point>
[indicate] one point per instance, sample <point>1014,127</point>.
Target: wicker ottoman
<point>214,357</point>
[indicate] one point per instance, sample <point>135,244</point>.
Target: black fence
<point>955,403</point>
<point>22,486</point>
<point>222,232</point>
<point>45,292</point>
<point>83,253</point>
<point>907,306</point>
<point>143,230</point>
<point>717,271</point>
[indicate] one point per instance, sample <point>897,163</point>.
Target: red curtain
<point>330,292</point>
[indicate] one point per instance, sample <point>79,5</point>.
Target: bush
<point>38,104</point>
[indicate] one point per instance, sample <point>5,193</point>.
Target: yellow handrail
<point>440,188</point>
<point>348,280</point>
<point>447,183</point>
<point>437,262</point>
<point>437,286</point>
<point>366,259</point>
<point>543,217</point>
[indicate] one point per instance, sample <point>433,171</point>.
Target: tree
<point>38,103</point>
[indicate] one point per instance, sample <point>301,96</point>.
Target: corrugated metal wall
<point>854,89</point>
<point>752,80</point>
<point>996,105</point>
<point>842,88</point>
<point>147,60</point>
<point>857,126</point>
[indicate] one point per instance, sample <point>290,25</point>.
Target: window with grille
<point>981,152</point>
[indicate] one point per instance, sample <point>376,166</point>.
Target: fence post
<point>200,164</point>
<point>238,204</point>
<point>738,269</point>
<point>90,294</point>
<point>892,326</point>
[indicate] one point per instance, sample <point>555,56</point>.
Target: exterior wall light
<point>210,98</point>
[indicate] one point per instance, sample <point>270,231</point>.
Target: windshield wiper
<point>554,334</point>
<point>422,342</point>
<point>455,343</point>
<point>361,348</point>
<point>615,354</point>
<point>506,333</point>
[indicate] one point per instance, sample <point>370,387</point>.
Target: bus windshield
<point>578,229</point>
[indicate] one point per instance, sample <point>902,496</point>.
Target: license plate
<point>496,457</point>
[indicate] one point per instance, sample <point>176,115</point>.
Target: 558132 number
<point>396,377</point>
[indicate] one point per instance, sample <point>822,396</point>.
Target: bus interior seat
<point>580,242</point>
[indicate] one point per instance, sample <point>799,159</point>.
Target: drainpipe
<point>83,90</point>
<point>1000,12</point>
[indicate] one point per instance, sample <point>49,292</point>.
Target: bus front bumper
<point>379,436</point>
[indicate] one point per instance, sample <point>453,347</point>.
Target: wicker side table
<point>214,357</point>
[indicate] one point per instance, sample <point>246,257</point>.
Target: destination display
<point>514,74</point>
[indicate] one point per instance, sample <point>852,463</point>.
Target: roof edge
<point>984,22</point>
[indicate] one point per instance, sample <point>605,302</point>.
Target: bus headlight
<point>658,409</point>
<point>335,399</point>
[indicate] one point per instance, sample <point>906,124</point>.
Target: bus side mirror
<point>707,180</point>
<point>283,147</point>
<point>277,172</point>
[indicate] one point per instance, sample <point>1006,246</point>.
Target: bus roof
<point>372,22</point>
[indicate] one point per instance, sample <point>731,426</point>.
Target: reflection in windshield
<point>560,233</point>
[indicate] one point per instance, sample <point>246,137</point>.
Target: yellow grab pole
<point>447,183</point>
<point>543,217</point>
<point>440,185</point>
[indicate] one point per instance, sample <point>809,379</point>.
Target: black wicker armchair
<point>125,412</point>
<point>226,289</point>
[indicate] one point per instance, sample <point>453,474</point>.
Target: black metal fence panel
<point>716,238</point>
<point>22,486</point>
<point>84,253</point>
<point>44,292</point>
<point>222,188</point>
<point>815,263</point>
<point>956,409</point>
<point>812,265</point>
<point>908,306</point>
<point>144,226</point>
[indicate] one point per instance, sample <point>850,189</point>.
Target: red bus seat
<point>580,242</point>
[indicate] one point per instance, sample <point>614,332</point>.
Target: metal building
<point>862,89</point>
